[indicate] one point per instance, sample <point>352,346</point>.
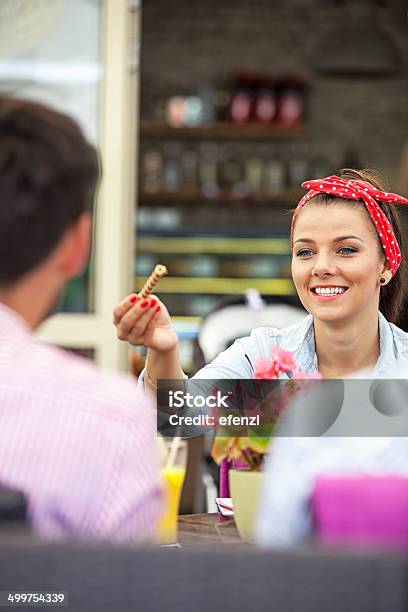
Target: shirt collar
<point>11,321</point>
<point>387,354</point>
<point>305,354</point>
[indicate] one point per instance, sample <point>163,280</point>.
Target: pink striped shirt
<point>78,442</point>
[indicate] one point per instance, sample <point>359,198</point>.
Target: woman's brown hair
<point>393,294</point>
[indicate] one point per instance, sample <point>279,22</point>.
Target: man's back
<point>77,442</point>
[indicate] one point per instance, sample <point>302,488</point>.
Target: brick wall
<point>188,42</point>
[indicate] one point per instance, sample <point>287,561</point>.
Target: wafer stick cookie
<point>153,279</point>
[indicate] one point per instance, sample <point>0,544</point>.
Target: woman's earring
<point>382,280</point>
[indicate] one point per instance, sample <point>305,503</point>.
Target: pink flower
<point>281,361</point>
<point>264,369</point>
<point>283,358</point>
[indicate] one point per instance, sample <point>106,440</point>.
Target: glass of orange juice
<point>173,470</point>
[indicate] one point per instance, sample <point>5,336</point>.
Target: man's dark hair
<point>48,176</point>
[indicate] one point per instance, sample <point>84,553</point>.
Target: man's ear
<point>75,246</point>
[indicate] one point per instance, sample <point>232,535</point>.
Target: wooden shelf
<point>222,131</point>
<point>220,286</point>
<point>214,245</point>
<point>194,195</point>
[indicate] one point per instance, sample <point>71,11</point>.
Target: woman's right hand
<point>145,322</point>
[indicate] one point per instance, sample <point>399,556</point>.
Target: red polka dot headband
<point>360,190</point>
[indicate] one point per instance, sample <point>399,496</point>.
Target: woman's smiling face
<point>336,262</point>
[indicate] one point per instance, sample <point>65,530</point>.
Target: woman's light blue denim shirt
<point>239,360</point>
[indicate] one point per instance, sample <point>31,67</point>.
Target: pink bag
<point>361,509</point>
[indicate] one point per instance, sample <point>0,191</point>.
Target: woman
<point>348,266</point>
<point>348,263</point>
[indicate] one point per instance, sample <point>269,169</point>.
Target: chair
<point>227,578</point>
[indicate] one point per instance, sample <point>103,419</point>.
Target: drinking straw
<point>173,452</point>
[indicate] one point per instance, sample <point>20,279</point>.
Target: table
<point>207,529</point>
